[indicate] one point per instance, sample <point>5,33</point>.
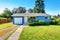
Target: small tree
<point>14,10</point>
<point>58,15</point>
<point>0,15</point>
<point>30,10</point>
<point>19,10</point>
<point>7,13</point>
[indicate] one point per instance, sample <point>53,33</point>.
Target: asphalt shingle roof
<point>31,14</point>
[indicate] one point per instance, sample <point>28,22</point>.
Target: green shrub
<point>35,23</point>
<point>31,22</point>
<point>53,22</point>
<point>41,22</point>
<point>58,20</point>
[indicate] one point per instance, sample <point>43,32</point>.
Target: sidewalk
<point>16,34</point>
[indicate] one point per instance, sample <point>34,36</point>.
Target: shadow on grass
<point>44,25</point>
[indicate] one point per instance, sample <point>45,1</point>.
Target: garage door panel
<point>18,20</point>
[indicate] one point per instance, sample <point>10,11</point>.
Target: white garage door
<point>18,20</point>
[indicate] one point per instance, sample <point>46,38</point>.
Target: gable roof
<point>31,14</point>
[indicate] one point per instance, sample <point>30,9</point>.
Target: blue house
<point>22,18</point>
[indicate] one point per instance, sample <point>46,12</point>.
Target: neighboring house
<point>22,18</point>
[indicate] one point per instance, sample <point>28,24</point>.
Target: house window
<point>46,17</point>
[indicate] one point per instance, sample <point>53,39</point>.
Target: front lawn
<point>51,32</point>
<point>5,25</point>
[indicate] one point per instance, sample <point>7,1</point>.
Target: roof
<point>30,14</point>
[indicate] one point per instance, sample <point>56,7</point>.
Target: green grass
<point>5,25</point>
<point>51,32</point>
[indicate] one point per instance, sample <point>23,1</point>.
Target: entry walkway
<point>16,34</point>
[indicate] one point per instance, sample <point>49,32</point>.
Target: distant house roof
<point>31,14</point>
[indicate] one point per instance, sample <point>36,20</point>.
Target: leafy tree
<point>58,15</point>
<point>30,10</point>
<point>7,13</point>
<point>39,6</point>
<point>0,15</point>
<point>14,10</point>
<point>19,10</point>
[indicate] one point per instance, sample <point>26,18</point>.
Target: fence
<point>5,20</point>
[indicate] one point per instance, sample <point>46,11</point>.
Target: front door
<point>25,20</point>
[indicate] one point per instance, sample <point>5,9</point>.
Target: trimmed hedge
<point>35,23</point>
<point>41,22</point>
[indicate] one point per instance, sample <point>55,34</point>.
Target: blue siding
<point>47,20</point>
<point>18,17</point>
<point>22,20</point>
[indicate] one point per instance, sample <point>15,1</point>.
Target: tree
<point>7,13</point>
<point>19,10</point>
<point>58,15</point>
<point>30,10</point>
<point>39,6</point>
<point>14,10</point>
<point>0,15</point>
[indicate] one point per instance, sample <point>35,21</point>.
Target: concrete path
<point>16,34</point>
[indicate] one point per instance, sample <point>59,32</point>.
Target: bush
<point>41,22</point>
<point>58,20</point>
<point>35,23</point>
<point>31,22</point>
<point>53,22</point>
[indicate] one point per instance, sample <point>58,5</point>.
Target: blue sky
<point>51,6</point>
